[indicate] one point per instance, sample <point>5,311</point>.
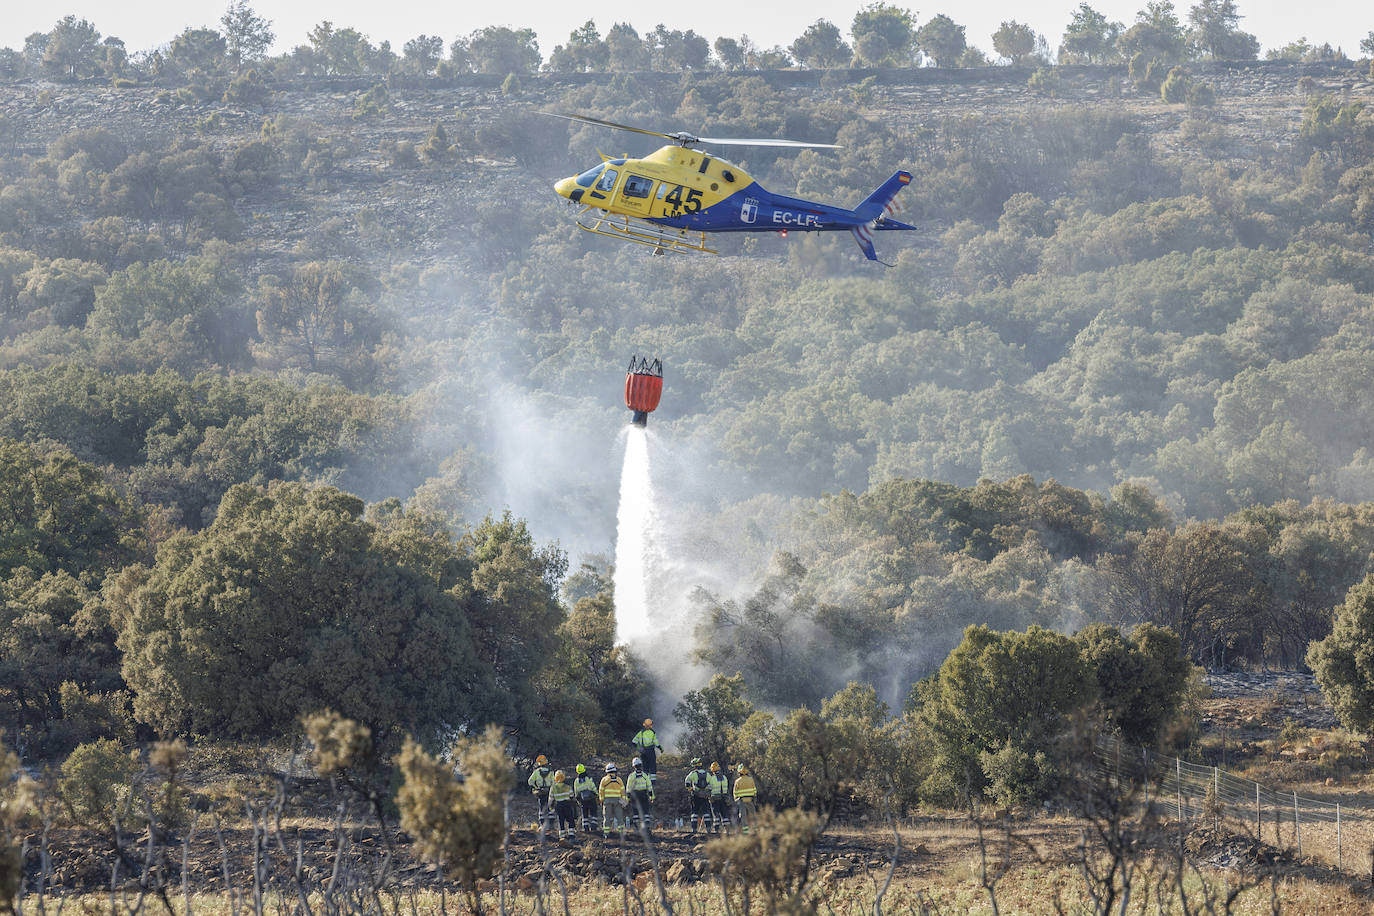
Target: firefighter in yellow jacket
<point>641,789</point>
<point>746,793</point>
<point>612,794</point>
<point>561,798</point>
<point>584,790</point>
<point>647,746</point>
<point>719,786</point>
<point>541,779</point>
<point>699,793</point>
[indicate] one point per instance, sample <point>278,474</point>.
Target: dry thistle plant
<point>458,821</point>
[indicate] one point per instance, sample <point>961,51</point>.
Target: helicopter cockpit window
<point>638,186</point>
<point>607,181</point>
<point>586,178</point>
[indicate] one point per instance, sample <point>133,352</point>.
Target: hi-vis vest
<point>718,784</point>
<point>646,739</point>
<point>745,788</point>
<point>560,791</point>
<point>612,787</point>
<point>699,781</point>
<point>541,779</point>
<point>584,784</point>
<point>640,782</point>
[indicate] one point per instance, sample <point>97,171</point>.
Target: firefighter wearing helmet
<point>612,795</point>
<point>584,790</point>
<point>746,794</point>
<point>718,785</point>
<point>647,747</point>
<point>641,789</point>
<point>699,792</point>
<point>540,781</point>
<point>561,798</point>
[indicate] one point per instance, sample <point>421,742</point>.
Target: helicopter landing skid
<point>643,232</point>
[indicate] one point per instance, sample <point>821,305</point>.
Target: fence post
<point>1297,822</point>
<point>1340,860</point>
<point>1259,821</point>
<point>1216,793</point>
<point>1178,784</point>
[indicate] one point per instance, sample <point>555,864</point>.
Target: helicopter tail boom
<point>880,202</point>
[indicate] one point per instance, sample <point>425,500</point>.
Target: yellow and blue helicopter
<point>671,198</point>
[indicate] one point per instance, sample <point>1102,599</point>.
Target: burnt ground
<point>1242,718</point>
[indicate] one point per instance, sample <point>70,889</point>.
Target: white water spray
<point>633,541</point>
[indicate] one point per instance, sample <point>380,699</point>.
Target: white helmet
<point>636,762</point>
<point>610,768</point>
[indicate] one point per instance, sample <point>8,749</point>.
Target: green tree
<point>1343,663</point>
<point>1089,37</point>
<point>625,50</point>
<point>319,319</point>
<point>884,36</point>
<point>1019,44</point>
<point>60,514</point>
<point>729,53</point>
<point>247,36</point>
<point>711,718</point>
<point>995,712</point>
<point>290,602</point>
<point>608,676</point>
<point>821,47</point>
<point>512,596</point>
<point>56,638</point>
<point>1157,35</point>
<point>198,49</point>
<point>63,289</point>
<point>198,296</point>
<point>70,48</point>
<point>503,50</point>
<point>422,54</point>
<point>1196,582</point>
<point>942,41</point>
<point>585,51</point>
<point>1142,679</point>
<point>1215,31</point>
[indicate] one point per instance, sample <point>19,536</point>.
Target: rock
<point>676,872</point>
<point>920,849</point>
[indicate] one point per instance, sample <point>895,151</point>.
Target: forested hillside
<point>1133,332</point>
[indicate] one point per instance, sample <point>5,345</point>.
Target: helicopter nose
<point>569,188</point>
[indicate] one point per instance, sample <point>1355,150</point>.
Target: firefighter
<point>745,795</point>
<point>641,789</point>
<point>541,779</point>
<point>611,792</point>
<point>584,790</point>
<point>699,790</point>
<point>719,786</point>
<point>647,748</point>
<point>561,798</point>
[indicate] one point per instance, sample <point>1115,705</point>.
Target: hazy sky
<point>146,24</point>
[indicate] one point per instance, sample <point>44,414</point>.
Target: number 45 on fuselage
<point>672,197</point>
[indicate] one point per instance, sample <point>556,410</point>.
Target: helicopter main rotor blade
<point>683,138</point>
<point>600,123</point>
<point>743,141</point>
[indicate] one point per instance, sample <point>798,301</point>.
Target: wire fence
<point>1315,828</point>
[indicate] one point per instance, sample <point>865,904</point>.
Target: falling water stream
<point>634,524</point>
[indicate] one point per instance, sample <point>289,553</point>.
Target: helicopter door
<point>636,194</point>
